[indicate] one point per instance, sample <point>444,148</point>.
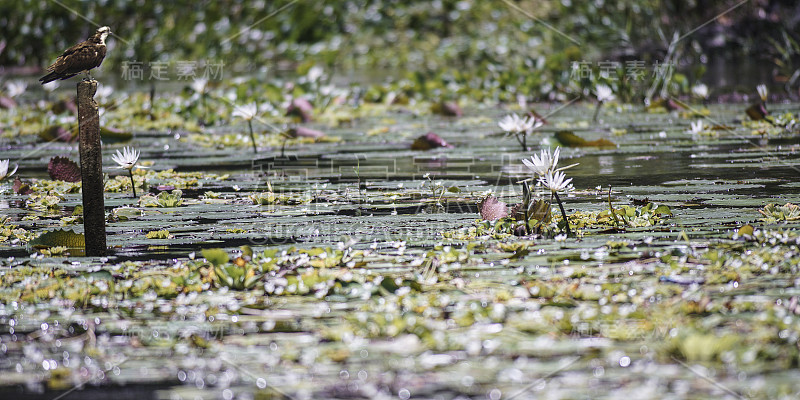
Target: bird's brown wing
<point>66,53</point>
<point>79,58</point>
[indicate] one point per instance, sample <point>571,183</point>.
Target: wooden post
<point>94,216</point>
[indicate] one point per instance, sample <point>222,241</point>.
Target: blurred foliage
<point>492,50</point>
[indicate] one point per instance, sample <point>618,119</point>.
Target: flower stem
<point>521,139</point>
<point>252,137</point>
<point>611,208</point>
<point>203,101</point>
<point>563,214</point>
<point>526,204</point>
<point>597,111</point>
<point>133,185</point>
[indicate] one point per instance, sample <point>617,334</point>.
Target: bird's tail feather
<point>54,76</point>
<point>49,78</point>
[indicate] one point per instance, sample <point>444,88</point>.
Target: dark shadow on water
<point>130,392</point>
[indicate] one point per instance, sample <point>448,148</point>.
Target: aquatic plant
<point>164,199</point>
<point>4,170</point>
<point>247,112</point>
<point>127,159</point>
<point>264,198</point>
<point>545,169</point>
<point>603,94</point>
<point>775,213</point>
<point>700,91</point>
<point>239,275</point>
<point>697,127</point>
<point>519,127</point>
<point>762,92</point>
<point>650,214</point>
<point>159,234</point>
<point>64,169</point>
<point>11,232</point>
<point>557,181</point>
<point>543,163</point>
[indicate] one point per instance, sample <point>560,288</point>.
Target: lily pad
<point>65,238</point>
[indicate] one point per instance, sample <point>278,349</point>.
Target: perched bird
<point>80,58</point>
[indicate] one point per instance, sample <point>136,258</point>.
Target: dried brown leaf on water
<point>58,132</point>
<point>757,111</point>
<point>301,131</point>
<point>430,141</point>
<point>448,109</point>
<point>20,187</point>
<point>300,108</point>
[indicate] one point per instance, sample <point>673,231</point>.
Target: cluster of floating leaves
<point>13,233</point>
<point>786,212</point>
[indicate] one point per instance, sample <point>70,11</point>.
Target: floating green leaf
<point>66,238</point>
<point>216,257</point>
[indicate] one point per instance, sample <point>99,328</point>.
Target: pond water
<point>676,310</point>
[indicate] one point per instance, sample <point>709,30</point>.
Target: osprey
<point>79,58</point>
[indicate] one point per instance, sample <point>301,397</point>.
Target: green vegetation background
<point>489,44</point>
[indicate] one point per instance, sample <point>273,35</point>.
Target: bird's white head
<point>103,32</point>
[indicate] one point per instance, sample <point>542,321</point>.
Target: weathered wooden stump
<point>94,216</point>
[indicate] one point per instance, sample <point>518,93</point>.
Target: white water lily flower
<point>246,112</point>
<point>544,163</point>
<point>314,73</point>
<point>4,169</point>
<point>697,127</point>
<point>199,85</point>
<point>16,88</point>
<point>513,123</point>
<point>127,158</point>
<point>700,90</point>
<point>604,93</point>
<point>762,92</point>
<point>556,181</point>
